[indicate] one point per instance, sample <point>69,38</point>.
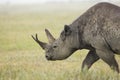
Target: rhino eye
<point>54,46</point>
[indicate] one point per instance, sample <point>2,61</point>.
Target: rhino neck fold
<point>77,37</point>
<point>79,27</point>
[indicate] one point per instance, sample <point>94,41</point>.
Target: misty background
<point>50,1</point>
<point>20,6</point>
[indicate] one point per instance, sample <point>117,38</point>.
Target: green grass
<point>22,59</point>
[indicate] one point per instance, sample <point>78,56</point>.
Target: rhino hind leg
<point>90,59</point>
<point>108,57</point>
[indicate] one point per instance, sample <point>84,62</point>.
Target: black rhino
<point>97,30</point>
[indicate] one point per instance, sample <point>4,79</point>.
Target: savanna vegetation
<point>22,59</point>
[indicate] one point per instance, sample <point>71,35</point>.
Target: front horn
<point>42,44</point>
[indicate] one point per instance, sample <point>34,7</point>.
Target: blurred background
<point>21,58</point>
<point>38,5</point>
<point>50,1</point>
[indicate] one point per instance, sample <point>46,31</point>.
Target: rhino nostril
<point>46,56</point>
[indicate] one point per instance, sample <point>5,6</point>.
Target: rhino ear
<point>51,39</point>
<point>67,30</point>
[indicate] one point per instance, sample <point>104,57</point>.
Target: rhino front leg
<point>108,57</point>
<point>90,59</point>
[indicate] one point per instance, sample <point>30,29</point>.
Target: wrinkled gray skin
<point>97,30</point>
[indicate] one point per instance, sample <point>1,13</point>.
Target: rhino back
<point>101,21</point>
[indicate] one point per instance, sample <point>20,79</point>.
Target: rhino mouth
<point>50,58</point>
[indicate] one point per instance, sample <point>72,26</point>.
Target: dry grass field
<point>22,59</point>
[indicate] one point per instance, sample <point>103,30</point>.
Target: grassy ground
<point>22,59</point>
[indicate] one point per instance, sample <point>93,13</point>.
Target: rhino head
<point>61,48</point>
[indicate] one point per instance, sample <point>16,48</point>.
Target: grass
<point>22,59</point>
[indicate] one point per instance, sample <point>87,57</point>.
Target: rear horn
<point>51,39</point>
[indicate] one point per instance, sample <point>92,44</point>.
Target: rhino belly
<point>115,45</point>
